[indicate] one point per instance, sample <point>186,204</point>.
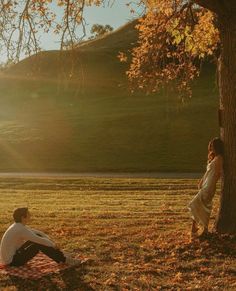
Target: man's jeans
<point>30,249</point>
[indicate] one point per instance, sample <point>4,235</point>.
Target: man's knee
<point>32,248</point>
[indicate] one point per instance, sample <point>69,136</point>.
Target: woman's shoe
<point>204,235</point>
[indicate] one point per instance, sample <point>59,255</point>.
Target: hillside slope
<point>72,111</point>
<point>92,61</point>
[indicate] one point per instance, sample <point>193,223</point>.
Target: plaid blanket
<point>39,266</point>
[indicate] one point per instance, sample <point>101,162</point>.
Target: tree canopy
<point>174,38</point>
<point>99,30</point>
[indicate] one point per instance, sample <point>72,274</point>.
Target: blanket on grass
<point>39,266</point>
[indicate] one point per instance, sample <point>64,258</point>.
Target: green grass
<point>64,111</point>
<point>134,231</point>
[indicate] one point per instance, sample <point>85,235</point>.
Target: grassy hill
<point>72,111</point>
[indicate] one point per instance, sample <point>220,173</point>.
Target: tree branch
<point>220,7</point>
<point>212,5</point>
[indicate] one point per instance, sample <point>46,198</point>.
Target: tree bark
<point>227,86</point>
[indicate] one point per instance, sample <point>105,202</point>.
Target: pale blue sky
<point>115,15</point>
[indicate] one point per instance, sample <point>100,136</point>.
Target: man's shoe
<point>72,262</point>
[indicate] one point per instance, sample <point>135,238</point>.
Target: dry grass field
<point>135,233</point>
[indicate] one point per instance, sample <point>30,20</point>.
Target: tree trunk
<point>227,86</point>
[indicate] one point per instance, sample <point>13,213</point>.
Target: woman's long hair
<point>217,148</point>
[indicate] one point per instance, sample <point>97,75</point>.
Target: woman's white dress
<point>201,205</point>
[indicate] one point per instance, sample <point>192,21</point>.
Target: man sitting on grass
<point>20,243</point>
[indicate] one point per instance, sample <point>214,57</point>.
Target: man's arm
<point>39,232</point>
<point>27,234</point>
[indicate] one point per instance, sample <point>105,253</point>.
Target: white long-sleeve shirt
<point>15,236</point>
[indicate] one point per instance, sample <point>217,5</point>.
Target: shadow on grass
<point>219,246</point>
<point>69,279</point>
<point>73,279</point>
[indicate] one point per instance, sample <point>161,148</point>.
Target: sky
<point>116,14</point>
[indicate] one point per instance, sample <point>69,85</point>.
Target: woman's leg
<point>205,232</point>
<point>194,228</point>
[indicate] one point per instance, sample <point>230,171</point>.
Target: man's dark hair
<point>19,213</point>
